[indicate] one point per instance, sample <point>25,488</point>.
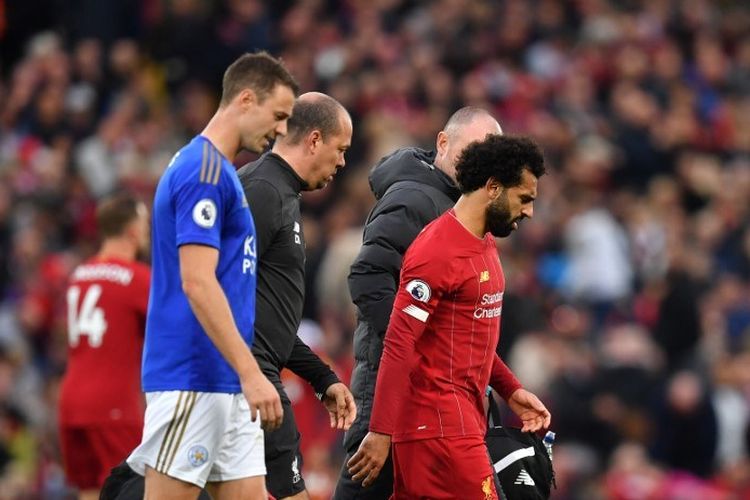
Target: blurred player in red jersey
<point>439,353</point>
<point>101,405</point>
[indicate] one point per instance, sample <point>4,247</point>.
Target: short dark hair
<point>320,112</point>
<point>260,72</point>
<point>114,213</point>
<point>502,157</point>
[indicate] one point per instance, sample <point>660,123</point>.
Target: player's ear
<point>131,230</point>
<point>441,144</point>
<point>314,139</point>
<point>493,188</point>
<point>247,98</point>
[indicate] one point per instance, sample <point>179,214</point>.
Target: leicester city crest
<point>197,455</point>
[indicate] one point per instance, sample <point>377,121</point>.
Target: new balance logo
<point>524,478</point>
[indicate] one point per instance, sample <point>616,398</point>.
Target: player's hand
<point>530,410</point>
<point>366,464</point>
<point>339,402</point>
<point>264,401</point>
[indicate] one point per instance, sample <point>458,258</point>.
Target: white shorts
<point>199,437</point>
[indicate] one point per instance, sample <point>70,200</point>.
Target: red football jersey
<point>439,353</point>
<point>106,308</point>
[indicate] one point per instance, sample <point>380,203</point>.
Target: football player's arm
<point>529,408</point>
<point>199,213</point>
<point>138,296</point>
<point>390,387</point>
<point>393,375</point>
<point>408,322</point>
<point>211,308</point>
<point>145,286</point>
<point>502,379</point>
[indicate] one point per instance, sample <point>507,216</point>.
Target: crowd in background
<point>627,304</point>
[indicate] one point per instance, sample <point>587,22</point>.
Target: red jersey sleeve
<point>502,379</point>
<point>141,285</point>
<point>423,283</point>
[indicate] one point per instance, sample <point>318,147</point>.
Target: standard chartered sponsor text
<point>491,298</point>
<point>482,313</point>
<point>491,312</point>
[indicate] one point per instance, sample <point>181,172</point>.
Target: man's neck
<point>292,156</point>
<point>470,212</point>
<point>117,248</point>
<point>439,164</point>
<point>224,137</point>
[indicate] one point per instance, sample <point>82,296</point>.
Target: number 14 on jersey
<point>88,319</point>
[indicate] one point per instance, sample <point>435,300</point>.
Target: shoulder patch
<point>204,213</point>
<point>419,290</point>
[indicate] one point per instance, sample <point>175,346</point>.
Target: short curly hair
<point>502,157</point>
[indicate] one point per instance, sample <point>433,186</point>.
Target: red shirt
<point>106,310</point>
<point>439,353</point>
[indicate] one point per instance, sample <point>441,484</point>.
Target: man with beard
<point>413,187</point>
<point>439,350</point>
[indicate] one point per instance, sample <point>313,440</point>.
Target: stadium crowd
<point>627,306</point>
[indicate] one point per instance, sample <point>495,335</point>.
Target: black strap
<point>493,412</point>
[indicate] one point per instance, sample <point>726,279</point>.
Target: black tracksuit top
<point>273,189</point>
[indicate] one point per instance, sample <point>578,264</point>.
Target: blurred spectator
<point>677,329</point>
<point>685,437</point>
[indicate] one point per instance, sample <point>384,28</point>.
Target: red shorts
<point>455,467</point>
<point>90,452</point>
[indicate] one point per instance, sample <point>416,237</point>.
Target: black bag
<point>520,459</point>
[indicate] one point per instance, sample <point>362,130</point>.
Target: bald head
<point>471,117</point>
<point>467,125</point>
<point>315,111</point>
<point>318,135</point>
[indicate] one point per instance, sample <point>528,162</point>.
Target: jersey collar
<point>297,183</point>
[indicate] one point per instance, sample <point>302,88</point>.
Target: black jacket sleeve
<point>374,276</point>
<point>308,365</point>
<point>265,205</point>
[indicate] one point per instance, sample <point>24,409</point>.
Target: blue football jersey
<point>199,200</point>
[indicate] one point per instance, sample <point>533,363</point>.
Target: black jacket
<point>410,193</point>
<point>272,189</point>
